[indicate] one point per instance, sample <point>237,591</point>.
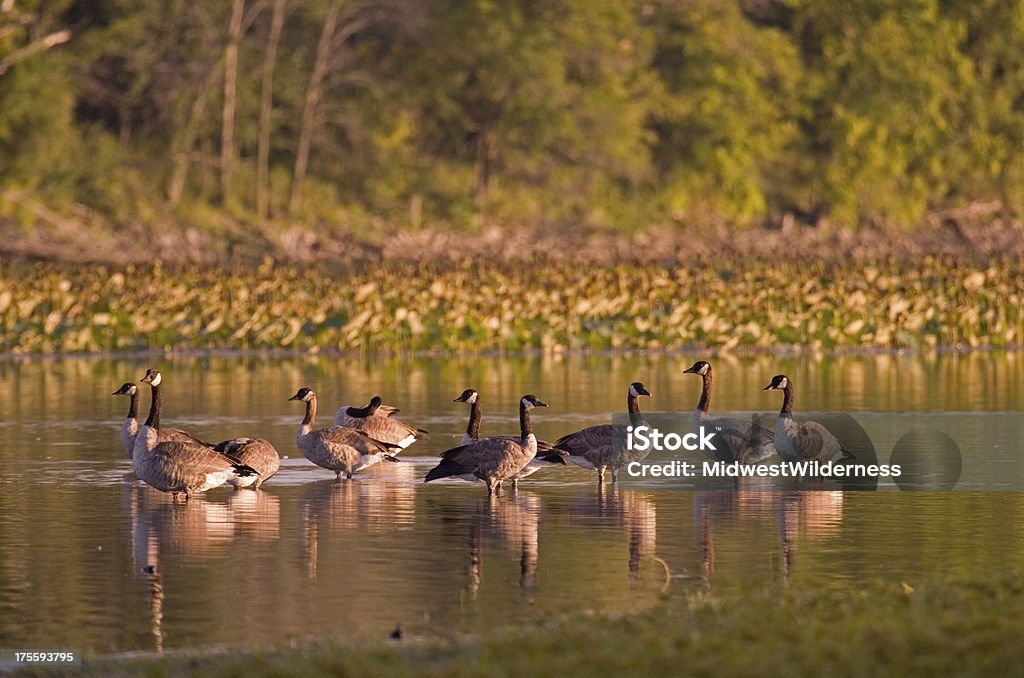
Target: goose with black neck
<point>178,466</point>
<point>496,459</point>
<point>736,440</point>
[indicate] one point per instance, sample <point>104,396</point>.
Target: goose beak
<point>769,387</point>
<point>645,392</point>
<point>690,370</point>
<point>538,403</point>
<point>295,397</point>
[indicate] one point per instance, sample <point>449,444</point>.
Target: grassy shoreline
<point>963,626</point>
<point>928,305</point>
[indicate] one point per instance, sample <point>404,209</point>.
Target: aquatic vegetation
<point>397,307</point>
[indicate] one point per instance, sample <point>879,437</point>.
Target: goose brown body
<point>803,440</point>
<point>546,455</point>
<point>178,466</point>
<point>600,447</point>
<point>340,449</point>
<point>493,460</point>
<point>377,421</point>
<point>736,440</point>
<point>255,453</point>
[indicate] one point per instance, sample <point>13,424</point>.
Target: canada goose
<point>802,440</point>
<point>130,425</point>
<point>546,453</point>
<point>493,460</point>
<point>256,453</point>
<point>375,420</point>
<point>594,447</point>
<point>340,449</point>
<point>736,440</point>
<point>178,466</point>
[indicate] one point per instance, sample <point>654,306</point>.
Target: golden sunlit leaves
<point>553,308</point>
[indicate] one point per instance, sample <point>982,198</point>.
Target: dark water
<point>94,560</point>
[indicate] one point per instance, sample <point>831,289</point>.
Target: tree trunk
<point>181,145</point>
<point>309,105</point>
<point>227,146</point>
<point>266,104</point>
<point>483,166</point>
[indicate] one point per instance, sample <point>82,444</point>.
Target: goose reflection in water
<point>380,501</point>
<point>161,528</point>
<point>810,515</point>
<point>514,523</point>
<point>632,511</point>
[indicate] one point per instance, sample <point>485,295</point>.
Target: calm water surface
<point>92,559</point>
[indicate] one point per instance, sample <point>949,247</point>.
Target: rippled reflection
<point>628,510</point>
<point>161,528</point>
<point>373,503</point>
<point>513,522</point>
<point>808,516</point>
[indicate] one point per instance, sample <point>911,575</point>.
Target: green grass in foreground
<point>970,627</point>
<point>924,304</point>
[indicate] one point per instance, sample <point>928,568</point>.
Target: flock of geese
<point>171,460</point>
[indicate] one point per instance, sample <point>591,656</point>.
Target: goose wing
<point>498,456</point>
<point>544,447</point>
<point>184,464</point>
<point>739,440</point>
<point>822,445</point>
<point>256,453</point>
<point>384,429</point>
<point>356,439</point>
<point>593,437</point>
<point>812,441</point>
<point>179,436</point>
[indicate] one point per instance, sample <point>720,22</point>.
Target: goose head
<point>700,367</point>
<point>468,396</point>
<point>152,377</point>
<point>303,394</point>
<point>375,403</point>
<point>778,381</point>
<point>127,389</point>
<point>637,389</point>
<point>531,401</point>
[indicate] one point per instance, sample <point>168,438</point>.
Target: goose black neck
<point>155,405</point>
<point>475,415</point>
<point>133,405</point>
<point>787,401</point>
<point>633,406</point>
<point>310,412</point>
<point>705,393</point>
<point>362,412</point>
<point>524,421</point>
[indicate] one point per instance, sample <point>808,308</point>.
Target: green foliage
<point>458,112</point>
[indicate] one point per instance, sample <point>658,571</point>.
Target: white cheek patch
<point>633,392</point>
<point>784,383</point>
<point>472,398</point>
<point>703,370</point>
<point>156,379</point>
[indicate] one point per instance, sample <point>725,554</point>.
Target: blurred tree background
<point>613,114</point>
